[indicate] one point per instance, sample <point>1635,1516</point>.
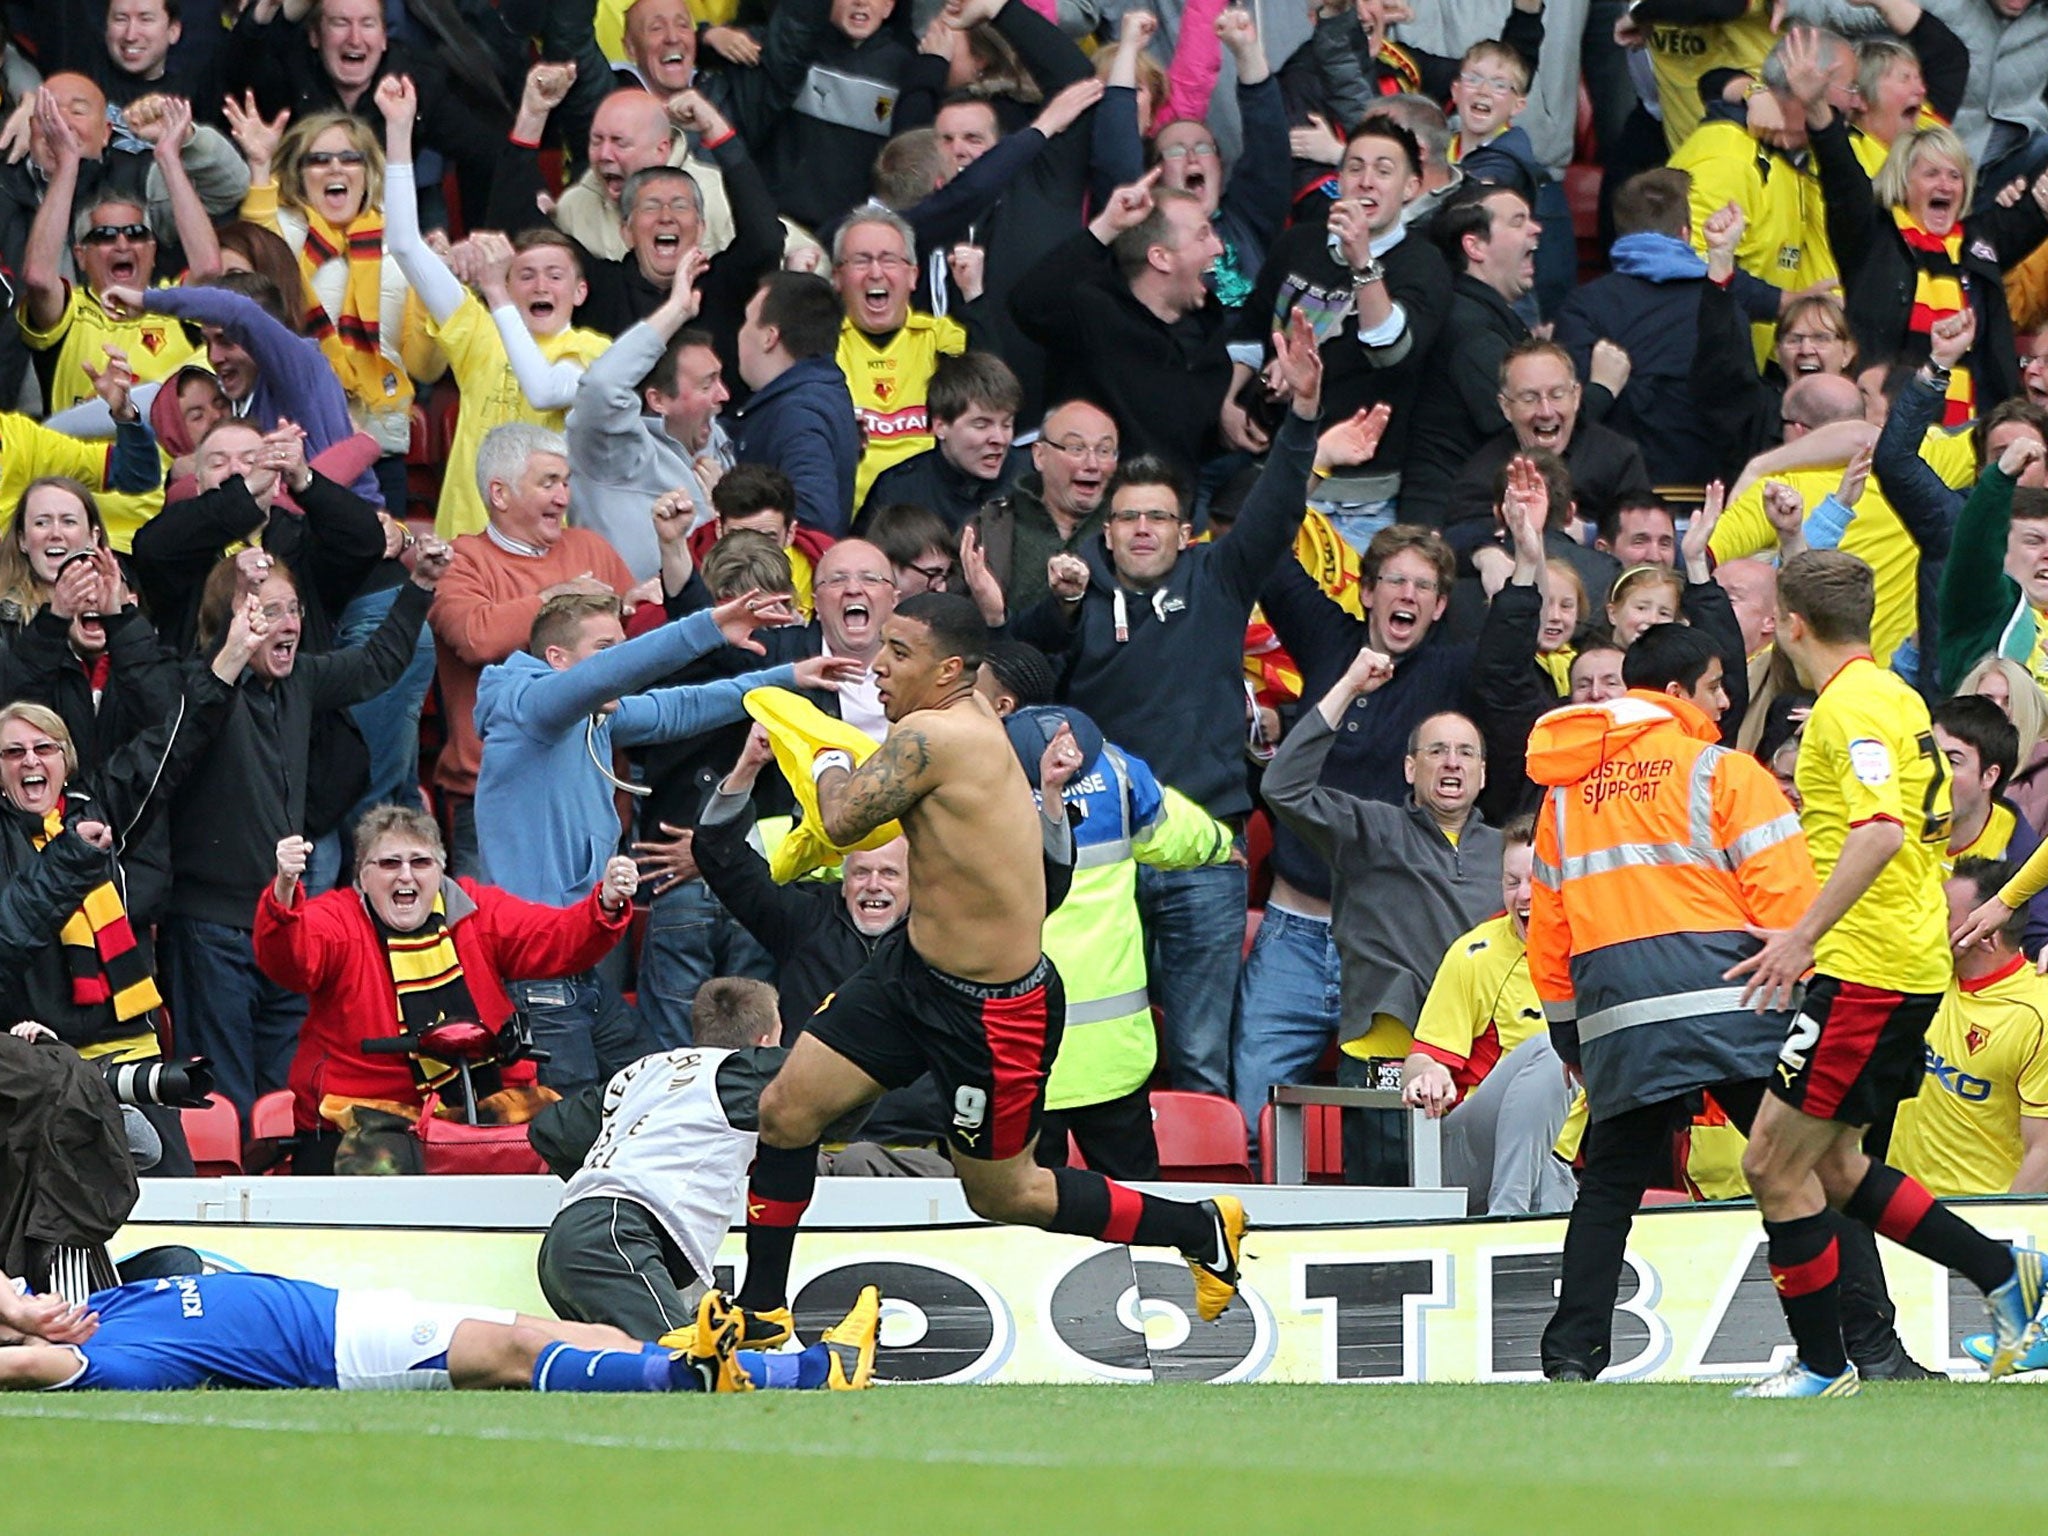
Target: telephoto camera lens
<point>182,1084</point>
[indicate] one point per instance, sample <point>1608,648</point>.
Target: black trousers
<point>607,1260</point>
<point>1631,1153</point>
<point>1115,1136</point>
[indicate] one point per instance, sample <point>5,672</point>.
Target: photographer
<point>69,958</point>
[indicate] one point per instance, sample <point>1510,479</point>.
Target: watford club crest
<point>154,340</point>
<point>1976,1039</point>
<point>883,389</point>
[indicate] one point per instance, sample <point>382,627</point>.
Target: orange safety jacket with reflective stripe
<point>1655,847</point>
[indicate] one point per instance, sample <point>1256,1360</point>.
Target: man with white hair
<point>494,590</point>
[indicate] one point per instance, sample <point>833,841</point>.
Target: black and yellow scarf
<point>99,947</point>
<point>351,343</point>
<point>427,980</point>
<point>1937,294</point>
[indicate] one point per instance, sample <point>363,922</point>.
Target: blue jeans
<point>1194,934</point>
<point>1557,254</point>
<point>1357,521</point>
<point>588,1030</point>
<point>1288,1003</point>
<point>390,722</point>
<point>225,1009</point>
<point>690,939</point>
<point>464,862</point>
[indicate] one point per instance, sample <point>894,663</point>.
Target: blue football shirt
<point>211,1330</point>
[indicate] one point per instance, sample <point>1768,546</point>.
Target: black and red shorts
<point>990,1046</point>
<point>1855,1051</point>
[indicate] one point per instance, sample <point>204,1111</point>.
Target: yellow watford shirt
<point>1482,1003</point>
<point>888,378</point>
<point>1875,536</point>
<point>157,345</point>
<point>1680,55</point>
<point>1869,755</point>
<point>1987,1068</point>
<point>491,397</point>
<point>1785,236</point>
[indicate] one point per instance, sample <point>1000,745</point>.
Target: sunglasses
<point>107,234</point>
<point>321,158</point>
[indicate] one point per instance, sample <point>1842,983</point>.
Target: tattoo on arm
<point>852,805</point>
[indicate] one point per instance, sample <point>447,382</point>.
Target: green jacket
<point>1981,608</point>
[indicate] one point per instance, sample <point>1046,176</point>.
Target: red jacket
<point>328,949</point>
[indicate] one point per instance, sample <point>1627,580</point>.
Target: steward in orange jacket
<point>1655,849</point>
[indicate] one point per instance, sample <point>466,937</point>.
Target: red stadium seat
<point>215,1136</point>
<point>1201,1137</point>
<point>270,1126</point>
<point>1322,1127</point>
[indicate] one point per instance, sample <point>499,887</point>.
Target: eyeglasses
<point>1131,516</point>
<point>107,234</point>
<point>1808,338</point>
<point>1497,83</point>
<point>44,750</point>
<point>401,863</point>
<point>934,575</point>
<point>1556,395</point>
<point>1201,149</point>
<point>1437,751</point>
<point>1421,586</point>
<point>1103,452</point>
<point>276,611</point>
<point>682,202</point>
<point>887,261</point>
<point>319,159</point>
<point>846,579</point>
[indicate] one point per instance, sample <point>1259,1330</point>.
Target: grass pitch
<point>1039,1460</point>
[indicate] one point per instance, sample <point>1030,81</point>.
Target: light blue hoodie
<point>545,817</point>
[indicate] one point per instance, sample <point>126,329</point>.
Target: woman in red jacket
<point>405,948</point>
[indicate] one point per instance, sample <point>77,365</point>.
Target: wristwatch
<point>1372,272</point>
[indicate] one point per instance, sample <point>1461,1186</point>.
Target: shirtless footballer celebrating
<point>963,991</point>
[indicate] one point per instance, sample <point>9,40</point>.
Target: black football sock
<point>1092,1206</point>
<point>1805,1268</point>
<point>1902,1210</point>
<point>778,1193</point>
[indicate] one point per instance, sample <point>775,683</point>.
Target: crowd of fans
<point>1263,381</point>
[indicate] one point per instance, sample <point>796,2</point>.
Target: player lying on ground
<point>234,1330</point>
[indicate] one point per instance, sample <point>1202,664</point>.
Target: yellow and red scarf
<point>351,342</point>
<point>428,985</point>
<point>1937,294</point>
<point>99,947</point>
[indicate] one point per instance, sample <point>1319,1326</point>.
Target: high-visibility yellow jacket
<point>1109,1047</point>
<point>1655,847</point>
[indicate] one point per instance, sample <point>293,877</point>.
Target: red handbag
<point>450,1146</point>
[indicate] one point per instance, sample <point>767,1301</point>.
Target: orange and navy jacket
<point>1654,847</point>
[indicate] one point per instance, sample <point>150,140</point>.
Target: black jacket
<point>1605,467</point>
<point>1879,277</point>
<point>1357,377</point>
<point>1163,384</point>
<point>331,546</point>
<point>40,891</point>
<point>819,168</point>
<point>66,1179</point>
<point>933,481</point>
<point>142,689</point>
<point>1461,408</point>
<point>1172,690</point>
<point>1367,756</point>
<point>805,926</point>
<point>249,792</point>
<point>1657,325</point>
